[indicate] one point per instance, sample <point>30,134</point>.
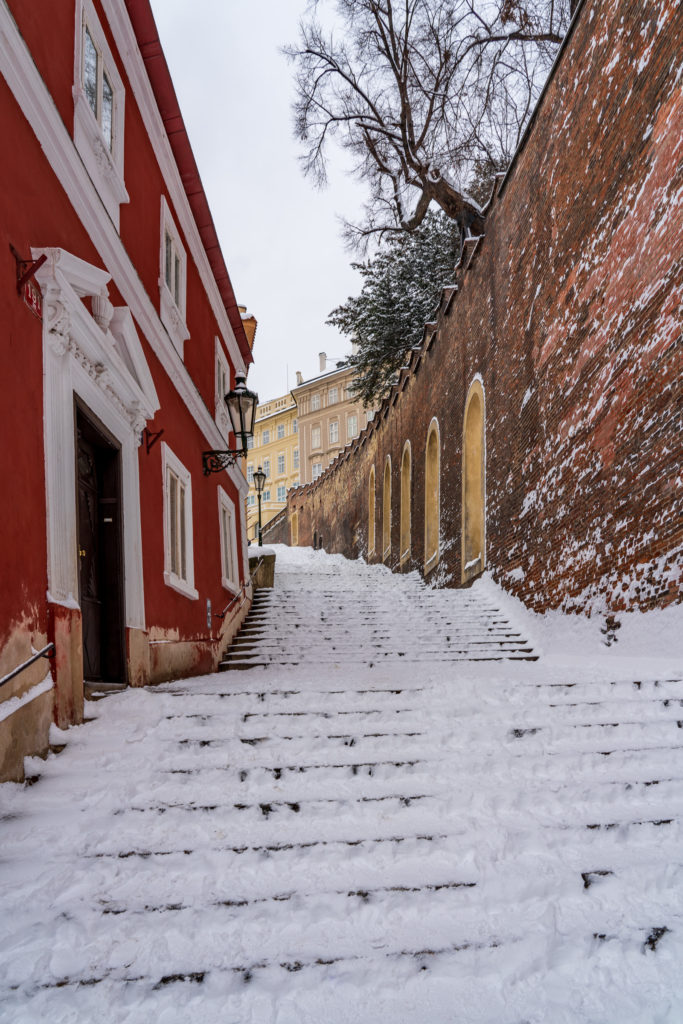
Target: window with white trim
<point>281,463</point>
<point>333,396</point>
<point>315,437</point>
<point>266,468</point>
<point>317,470</point>
<point>172,280</point>
<point>250,441</point>
<point>99,102</point>
<point>228,535</point>
<point>351,427</point>
<point>334,431</point>
<point>282,494</point>
<point>266,495</point>
<point>295,459</point>
<point>265,437</point>
<point>222,387</point>
<point>280,431</point>
<point>295,426</point>
<point>315,402</point>
<point>178,542</point>
<point>250,472</point>
<point>251,500</point>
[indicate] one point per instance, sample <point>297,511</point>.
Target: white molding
<point>80,358</point>
<point>104,167</point>
<point>127,45</point>
<point>186,587</point>
<point>37,105</point>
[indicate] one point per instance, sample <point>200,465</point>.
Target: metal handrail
<point>47,652</point>
<point>242,590</point>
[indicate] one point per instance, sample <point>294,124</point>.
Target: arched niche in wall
<point>432,496</point>
<point>406,486</point>
<point>371,512</point>
<point>386,510</point>
<point>473,548</point>
<point>294,529</point>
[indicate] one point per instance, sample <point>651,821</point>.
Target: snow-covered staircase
<point>357,834</point>
<point>317,612</point>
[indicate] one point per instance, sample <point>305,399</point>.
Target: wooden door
<point>100,553</point>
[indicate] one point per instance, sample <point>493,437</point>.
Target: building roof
<point>146,33</point>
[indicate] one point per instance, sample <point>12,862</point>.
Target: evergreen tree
<point>402,285</point>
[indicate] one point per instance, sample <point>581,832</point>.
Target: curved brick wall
<point>569,311</point>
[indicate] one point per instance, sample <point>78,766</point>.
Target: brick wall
<point>569,312</point>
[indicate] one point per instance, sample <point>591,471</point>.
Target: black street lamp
<point>259,484</point>
<point>241,405</point>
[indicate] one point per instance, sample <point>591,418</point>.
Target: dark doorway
<point>98,466</point>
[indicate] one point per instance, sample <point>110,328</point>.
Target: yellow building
<point>275,448</point>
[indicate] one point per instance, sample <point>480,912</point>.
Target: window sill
<point>232,588</point>
<point>100,164</point>
<point>182,586</point>
<point>172,319</point>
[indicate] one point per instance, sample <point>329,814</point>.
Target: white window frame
<point>281,459</point>
<point>281,492</point>
<point>104,165</point>
<point>266,468</point>
<point>315,403</point>
<point>280,431</point>
<point>172,313</point>
<point>316,470</point>
<point>295,426</point>
<point>350,434</point>
<point>250,472</point>
<point>295,459</point>
<point>334,424</point>
<point>333,396</point>
<point>316,444</point>
<point>229,563</point>
<point>265,437</point>
<point>222,367</point>
<point>170,463</point>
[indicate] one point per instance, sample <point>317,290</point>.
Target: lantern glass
<point>241,405</point>
<point>259,480</point>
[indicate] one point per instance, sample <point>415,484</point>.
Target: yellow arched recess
<point>473,549</point>
<point>406,479</point>
<point>294,529</point>
<point>371,513</point>
<point>432,498</point>
<point>386,510</point>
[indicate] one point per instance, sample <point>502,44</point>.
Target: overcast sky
<point>280,236</point>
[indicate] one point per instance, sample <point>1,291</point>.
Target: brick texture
<point>569,310</point>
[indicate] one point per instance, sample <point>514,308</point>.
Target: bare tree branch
<point>421,93</point>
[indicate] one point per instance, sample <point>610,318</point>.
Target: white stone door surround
<point>96,355</point>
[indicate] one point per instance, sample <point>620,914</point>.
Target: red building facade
<point>118,347</point>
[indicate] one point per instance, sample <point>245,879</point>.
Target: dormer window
<point>99,99</point>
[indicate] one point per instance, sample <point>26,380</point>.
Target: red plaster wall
<point>570,314</point>
<point>34,211</point>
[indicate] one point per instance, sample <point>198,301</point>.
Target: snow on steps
<point>426,841</point>
<point>365,617</point>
